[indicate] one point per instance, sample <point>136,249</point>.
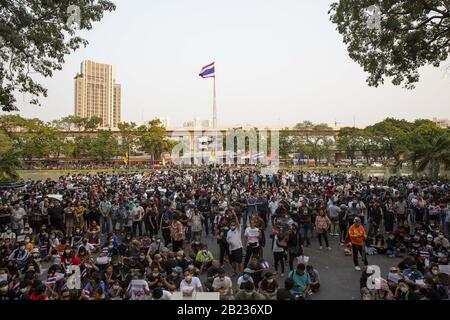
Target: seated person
<point>173,280</point>
<point>315,278</point>
<point>268,286</point>
<point>392,245</point>
<point>190,282</point>
<point>249,293</point>
<point>285,293</point>
<point>412,275</point>
<point>194,247</point>
<point>379,244</point>
<point>302,282</point>
<point>204,258</point>
<point>211,273</point>
<point>246,277</point>
<point>222,284</point>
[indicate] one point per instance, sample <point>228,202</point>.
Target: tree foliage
<point>35,37</point>
<point>412,34</point>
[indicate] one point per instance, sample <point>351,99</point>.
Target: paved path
<point>339,279</point>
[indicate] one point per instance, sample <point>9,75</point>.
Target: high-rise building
<point>98,94</point>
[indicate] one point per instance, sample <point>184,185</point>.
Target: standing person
<point>279,246</point>
<point>18,214</point>
<point>234,240</point>
<point>105,218</point>
<point>177,234</point>
<point>70,219</point>
<point>306,222</point>
<point>389,216</point>
<point>343,224</point>
<point>358,236</point>
<point>294,245</point>
<point>252,235</point>
<point>400,210</point>
<point>322,225</point>
<point>334,212</point>
<point>138,214</point>
<point>197,224</point>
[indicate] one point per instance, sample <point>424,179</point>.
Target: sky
<point>277,63</point>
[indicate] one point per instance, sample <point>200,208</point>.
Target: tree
<point>349,141</point>
<point>104,146</point>
<point>390,137</point>
<point>435,154</point>
<point>8,159</point>
<point>128,135</point>
<point>317,144</point>
<point>153,139</point>
<point>36,37</point>
<point>412,34</point>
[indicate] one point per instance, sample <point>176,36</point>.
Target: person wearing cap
<point>173,280</point>
<point>358,236</point>
<point>222,284</point>
<point>246,277</point>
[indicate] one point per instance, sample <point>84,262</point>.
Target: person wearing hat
<point>358,236</point>
<point>173,280</point>
<point>246,277</point>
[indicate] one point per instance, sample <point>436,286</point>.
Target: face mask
<point>155,274</point>
<point>22,247</point>
<point>4,289</point>
<point>67,251</point>
<point>435,272</point>
<point>23,290</point>
<point>358,224</point>
<point>233,228</point>
<point>142,257</point>
<point>270,280</point>
<point>27,241</point>
<point>403,289</point>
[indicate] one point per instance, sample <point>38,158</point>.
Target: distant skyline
<point>277,64</point>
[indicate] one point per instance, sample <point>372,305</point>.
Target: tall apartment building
<point>98,94</point>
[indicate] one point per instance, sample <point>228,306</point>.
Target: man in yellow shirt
<point>358,236</point>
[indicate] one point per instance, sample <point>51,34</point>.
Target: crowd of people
<point>114,236</point>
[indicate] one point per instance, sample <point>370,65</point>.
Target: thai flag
<point>51,281</point>
<point>208,71</point>
<point>258,155</point>
<point>424,254</point>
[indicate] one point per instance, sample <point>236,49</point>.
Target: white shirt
<point>225,283</point>
<point>252,234</point>
<point>234,239</point>
<point>195,283</point>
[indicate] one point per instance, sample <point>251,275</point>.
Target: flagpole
<point>215,121</point>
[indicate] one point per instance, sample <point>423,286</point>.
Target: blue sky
<point>277,63</point>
